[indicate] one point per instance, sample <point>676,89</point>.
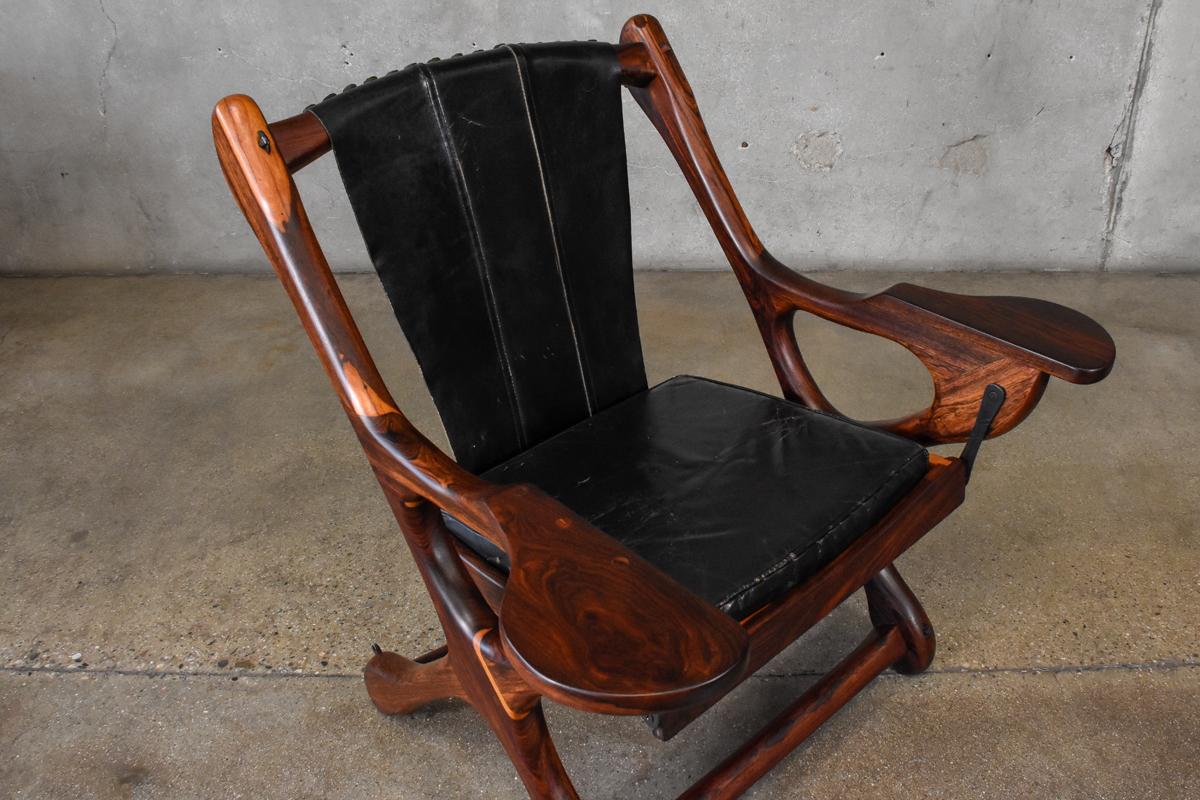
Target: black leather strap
<point>492,193</point>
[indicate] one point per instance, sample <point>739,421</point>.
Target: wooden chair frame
<point>572,593</point>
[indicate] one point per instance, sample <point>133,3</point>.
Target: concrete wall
<point>945,134</point>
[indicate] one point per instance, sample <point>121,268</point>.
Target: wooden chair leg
<point>512,711</point>
<point>903,639</point>
<point>527,741</point>
<point>891,603</point>
<point>473,665</point>
<point>786,732</point>
<point>399,685</point>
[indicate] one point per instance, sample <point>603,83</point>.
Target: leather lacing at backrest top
<point>491,191</point>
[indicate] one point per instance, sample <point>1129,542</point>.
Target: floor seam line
<point>1138,666</point>
<point>1132,666</point>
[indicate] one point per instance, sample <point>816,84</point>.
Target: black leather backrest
<point>491,190</point>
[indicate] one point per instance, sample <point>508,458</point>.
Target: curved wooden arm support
<point>584,620</point>
<point>964,342</point>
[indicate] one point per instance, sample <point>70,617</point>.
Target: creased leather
<point>491,191</point>
<point>737,495</point>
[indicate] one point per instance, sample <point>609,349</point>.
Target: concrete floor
<point>183,506</point>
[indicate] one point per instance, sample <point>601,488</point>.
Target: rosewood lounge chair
<point>617,548</point>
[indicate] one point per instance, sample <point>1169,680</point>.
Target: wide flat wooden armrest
<point>966,342</point>
<point>1058,340</point>
<point>589,623</point>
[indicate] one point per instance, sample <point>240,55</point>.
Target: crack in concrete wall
<point>112,48</point>
<point>1119,152</point>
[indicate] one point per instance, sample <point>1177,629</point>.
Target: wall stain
<point>818,150</point>
<point>968,157</point>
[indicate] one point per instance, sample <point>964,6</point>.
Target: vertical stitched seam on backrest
<point>468,209</point>
<point>562,278</point>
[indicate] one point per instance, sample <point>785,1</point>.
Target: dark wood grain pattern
<point>301,140</point>
<point>488,580</point>
<point>398,685</point>
<point>579,618</point>
<point>1059,340</point>
<point>566,622</point>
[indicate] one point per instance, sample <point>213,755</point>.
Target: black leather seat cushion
<point>737,495</point>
